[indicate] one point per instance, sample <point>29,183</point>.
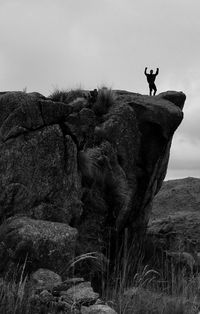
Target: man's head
<point>151,71</point>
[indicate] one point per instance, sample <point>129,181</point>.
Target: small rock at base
<point>45,279</point>
<point>82,293</point>
<point>97,309</point>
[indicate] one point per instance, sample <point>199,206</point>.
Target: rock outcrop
<point>174,227</point>
<point>176,232</point>
<point>180,195</point>
<point>79,176</point>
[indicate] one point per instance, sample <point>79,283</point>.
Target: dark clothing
<point>151,80</point>
<point>152,87</point>
<point>93,96</point>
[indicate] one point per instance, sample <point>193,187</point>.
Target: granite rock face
<point>38,242</point>
<point>93,171</point>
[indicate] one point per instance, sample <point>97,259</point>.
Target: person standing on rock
<point>93,96</point>
<point>151,80</point>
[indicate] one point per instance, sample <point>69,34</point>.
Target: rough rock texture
<point>62,162</point>
<point>97,309</point>
<point>138,131</point>
<point>45,279</point>
<point>41,243</point>
<point>81,293</point>
<point>47,293</point>
<point>37,177</point>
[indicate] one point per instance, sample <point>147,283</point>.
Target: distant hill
<point>181,195</point>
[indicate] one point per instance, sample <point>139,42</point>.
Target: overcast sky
<point>47,44</point>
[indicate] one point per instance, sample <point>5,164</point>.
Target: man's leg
<point>155,89</point>
<point>150,90</point>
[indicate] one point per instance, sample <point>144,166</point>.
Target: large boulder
<point>81,293</point>
<point>38,164</point>
<point>134,140</point>
<point>94,170</point>
<point>37,243</point>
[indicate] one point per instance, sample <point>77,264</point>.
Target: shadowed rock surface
<point>90,171</point>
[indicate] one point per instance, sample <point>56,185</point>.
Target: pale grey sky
<point>71,43</point>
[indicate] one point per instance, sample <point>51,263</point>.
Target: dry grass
<point>140,293</point>
<point>13,295</point>
<point>66,96</point>
<point>105,99</point>
<point>147,292</point>
<point>130,288</point>
<point>13,298</point>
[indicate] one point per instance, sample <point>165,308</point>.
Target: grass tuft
<point>66,96</point>
<point>140,293</point>
<point>105,99</point>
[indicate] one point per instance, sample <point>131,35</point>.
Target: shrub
<point>105,99</point>
<point>66,96</point>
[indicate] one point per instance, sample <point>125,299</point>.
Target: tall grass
<point>13,298</point>
<point>128,286</point>
<point>105,99</point>
<point>66,96</point>
<point>13,295</point>
<point>146,291</point>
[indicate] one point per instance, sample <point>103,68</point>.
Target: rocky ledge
<point>75,174</point>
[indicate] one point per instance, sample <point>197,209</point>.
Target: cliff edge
<point>76,173</point>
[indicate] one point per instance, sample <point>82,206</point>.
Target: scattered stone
<point>45,279</point>
<point>81,294</point>
<point>97,309</point>
<point>65,285</point>
<point>46,296</point>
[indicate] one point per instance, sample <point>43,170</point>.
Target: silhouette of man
<point>93,96</point>
<point>151,80</point>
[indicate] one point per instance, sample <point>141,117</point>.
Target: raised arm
<point>157,71</point>
<point>145,71</point>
